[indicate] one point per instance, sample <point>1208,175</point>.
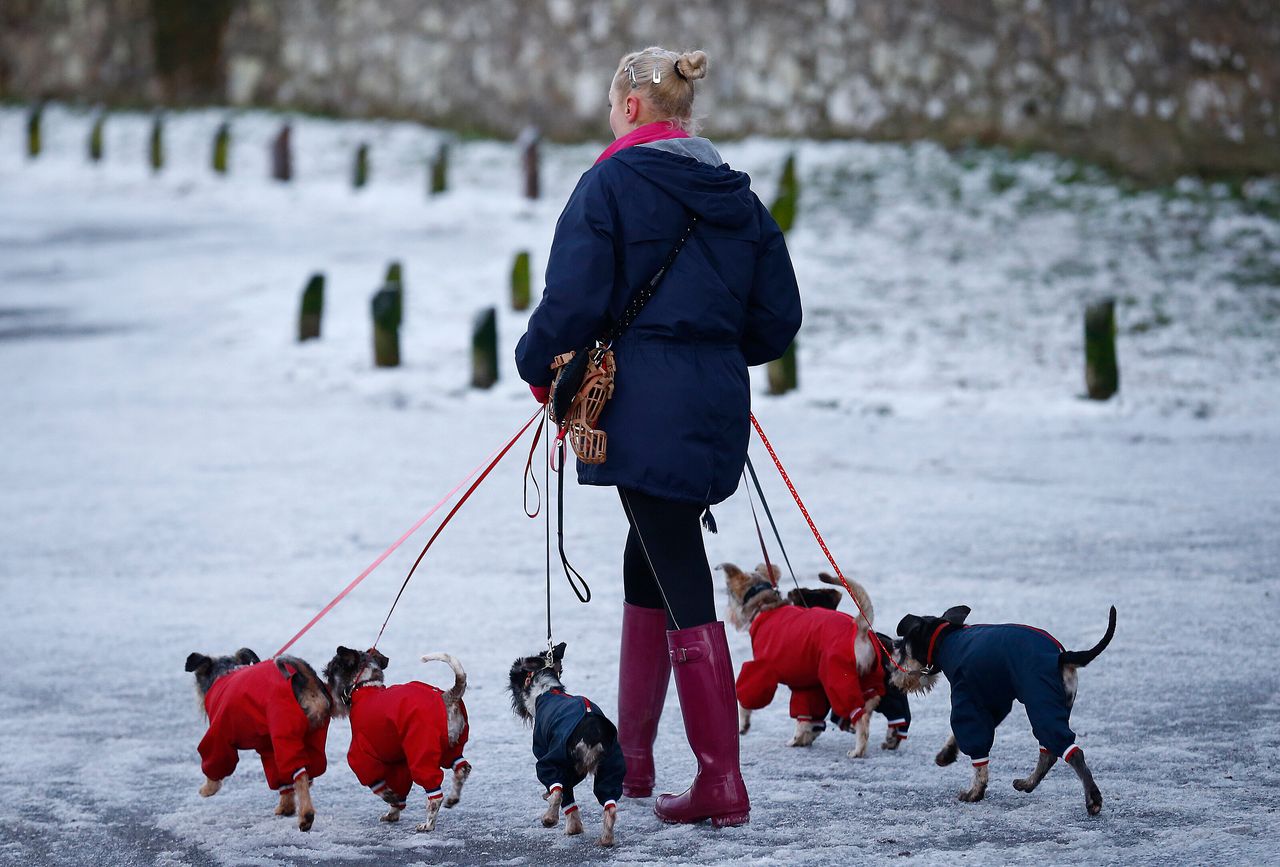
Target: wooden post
<point>528,145</point>
<point>484,349</point>
<point>96,148</point>
<point>222,148</point>
<point>282,154</point>
<point>312,308</point>
<point>1101,369</point>
<point>783,373</point>
<point>360,172</point>
<point>395,275</point>
<point>157,142</point>
<point>439,171</point>
<point>520,281</point>
<point>388,312</point>
<point>35,120</point>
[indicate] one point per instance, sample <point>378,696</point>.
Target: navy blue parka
<point>678,422</point>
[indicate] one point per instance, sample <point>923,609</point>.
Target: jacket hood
<point>691,172</point>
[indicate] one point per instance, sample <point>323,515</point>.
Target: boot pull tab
<point>688,654</point>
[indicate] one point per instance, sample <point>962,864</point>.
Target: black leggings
<point>665,564</point>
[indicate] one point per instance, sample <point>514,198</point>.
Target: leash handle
<point>572,575</point>
<point>383,556</point>
<point>875,639</point>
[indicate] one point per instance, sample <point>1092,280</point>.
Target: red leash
<point>387,553</point>
<point>875,639</point>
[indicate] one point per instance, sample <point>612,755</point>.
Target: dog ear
<point>956,614</point>
<point>196,661</point>
<point>382,661</point>
<point>557,652</point>
<point>775,572</point>
<point>245,656</point>
<point>908,624</point>
<point>347,657</point>
<point>730,571</point>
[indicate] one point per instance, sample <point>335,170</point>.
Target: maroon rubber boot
<point>708,702</point>
<point>644,671</point>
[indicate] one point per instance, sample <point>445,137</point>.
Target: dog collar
<point>933,640</point>
<point>755,590</point>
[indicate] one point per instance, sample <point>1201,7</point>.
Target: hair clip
<point>631,71</point>
<point>657,76</point>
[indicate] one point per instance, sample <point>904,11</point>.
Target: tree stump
<point>156,149</point>
<point>388,312</point>
<point>96,145</point>
<point>222,148</point>
<point>35,120</point>
<point>312,308</point>
<point>484,349</point>
<point>520,281</point>
<point>360,171</point>
<point>438,181</point>
<point>783,376</point>
<point>282,154</point>
<point>1101,369</point>
<point>528,145</point>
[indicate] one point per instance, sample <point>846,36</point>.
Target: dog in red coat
<point>278,708</point>
<point>402,734</point>
<point>826,657</point>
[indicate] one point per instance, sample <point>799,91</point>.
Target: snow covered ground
<point>177,474</point>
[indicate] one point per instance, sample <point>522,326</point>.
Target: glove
<point>541,393</point>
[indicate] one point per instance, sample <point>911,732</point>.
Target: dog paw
<point>550,821</point>
<point>573,825</point>
<point>425,827</point>
<point>890,745</point>
<point>744,729</point>
<point>605,840</point>
<point>306,820</point>
<point>857,754</point>
<point>1093,802</point>
<point>969,796</point>
<point>451,802</point>
<point>1024,785</point>
<point>285,809</point>
<point>210,788</point>
<point>944,758</point>
<point>390,816</point>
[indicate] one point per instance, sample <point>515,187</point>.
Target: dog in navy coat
<point>989,667</point>
<point>572,739</point>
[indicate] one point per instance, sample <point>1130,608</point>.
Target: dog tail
<point>866,611</point>
<point>308,689</point>
<point>459,676</point>
<point>1084,657</point>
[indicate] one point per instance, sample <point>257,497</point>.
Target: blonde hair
<point>664,78</point>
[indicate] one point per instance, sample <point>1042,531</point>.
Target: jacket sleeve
<point>218,758</point>
<point>773,307</point>
<point>757,682</point>
<point>579,281</point>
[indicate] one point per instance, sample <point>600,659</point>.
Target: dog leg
<point>210,788</point>
<point>947,755</point>
<point>862,734</point>
<point>606,830</point>
<point>551,818</point>
<point>805,734</point>
<point>392,815</point>
<point>744,720</point>
<point>891,739</point>
<point>460,775</point>
<point>394,804</point>
<point>573,821</point>
<point>1043,766</point>
<point>302,794</point>
<point>286,806</point>
<point>978,790</point>
<point>433,810</point>
<point>1092,796</point>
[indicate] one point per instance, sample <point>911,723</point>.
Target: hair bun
<point>692,65</point>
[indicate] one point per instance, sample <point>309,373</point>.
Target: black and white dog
<point>988,667</point>
<point>572,738</point>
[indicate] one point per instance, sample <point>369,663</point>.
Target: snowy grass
<point>180,475</point>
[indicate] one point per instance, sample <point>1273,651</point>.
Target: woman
<point>677,424</point>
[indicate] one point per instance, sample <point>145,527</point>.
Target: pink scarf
<point>657,131</point>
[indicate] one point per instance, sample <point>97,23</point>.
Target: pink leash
<point>387,553</point>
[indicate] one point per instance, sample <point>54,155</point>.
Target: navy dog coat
<point>556,715</point>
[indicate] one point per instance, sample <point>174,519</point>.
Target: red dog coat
<point>811,651</point>
<point>400,736</point>
<point>253,708</point>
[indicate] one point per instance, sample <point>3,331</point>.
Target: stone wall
<point>1154,87</point>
